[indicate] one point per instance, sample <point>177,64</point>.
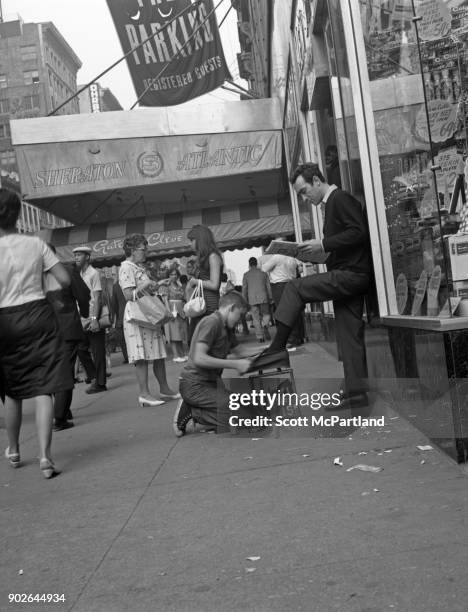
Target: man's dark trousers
<point>297,333</point>
<point>347,290</point>
<point>63,399</point>
<point>97,342</point>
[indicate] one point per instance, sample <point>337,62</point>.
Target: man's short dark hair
<point>10,208</point>
<point>234,298</point>
<point>253,261</point>
<point>308,172</point>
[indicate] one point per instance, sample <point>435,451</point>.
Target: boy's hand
<point>241,365</point>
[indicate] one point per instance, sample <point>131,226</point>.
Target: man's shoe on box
<point>269,360</point>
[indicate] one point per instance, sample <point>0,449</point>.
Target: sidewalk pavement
<point>142,521</point>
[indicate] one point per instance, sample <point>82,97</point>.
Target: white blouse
<point>23,261</point>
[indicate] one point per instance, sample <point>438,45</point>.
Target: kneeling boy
<point>205,400</point>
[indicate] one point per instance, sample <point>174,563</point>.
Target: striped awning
<point>234,226</point>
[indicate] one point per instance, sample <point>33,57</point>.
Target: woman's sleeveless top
<point>211,296</point>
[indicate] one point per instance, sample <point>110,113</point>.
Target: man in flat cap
<point>95,335</point>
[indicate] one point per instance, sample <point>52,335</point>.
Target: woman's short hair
<point>132,242</point>
<point>10,208</point>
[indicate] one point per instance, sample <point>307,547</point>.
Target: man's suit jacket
<point>346,234</point>
<point>256,287</point>
<point>64,303</point>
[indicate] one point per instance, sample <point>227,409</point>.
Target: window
<point>3,81</point>
<point>5,105</point>
<point>7,158</point>
<point>28,53</point>
<point>30,102</point>
<point>31,76</point>
<point>4,130</point>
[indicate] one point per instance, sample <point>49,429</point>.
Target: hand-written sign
<point>435,20</point>
<point>449,162</point>
<point>442,119</point>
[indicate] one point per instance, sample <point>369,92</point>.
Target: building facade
<point>384,84</point>
<point>97,99</point>
<point>254,37</point>
<point>37,73</point>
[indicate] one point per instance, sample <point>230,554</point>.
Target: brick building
<point>38,71</point>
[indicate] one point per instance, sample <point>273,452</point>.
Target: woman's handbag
<point>147,311</point>
<point>196,306</point>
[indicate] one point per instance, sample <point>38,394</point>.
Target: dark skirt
<point>32,351</point>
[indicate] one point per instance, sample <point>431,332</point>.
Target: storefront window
<point>416,60</point>
<point>343,106</point>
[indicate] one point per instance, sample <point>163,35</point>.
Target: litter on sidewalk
<point>337,461</point>
<point>425,447</point>
<point>365,468</point>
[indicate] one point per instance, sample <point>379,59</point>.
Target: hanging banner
<point>186,46</point>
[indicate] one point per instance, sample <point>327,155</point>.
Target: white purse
<point>196,306</point>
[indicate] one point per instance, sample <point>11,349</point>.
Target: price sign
<point>442,119</point>
<point>435,20</point>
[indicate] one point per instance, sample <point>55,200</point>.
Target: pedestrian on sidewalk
<point>64,301</point>
<point>209,267</point>
<point>144,345</point>
<point>346,238</point>
<point>281,269</point>
<point>96,337</point>
<point>205,399</point>
<point>176,332</point>
<point>31,347</point>
<point>118,307</point>
<point>257,293</point>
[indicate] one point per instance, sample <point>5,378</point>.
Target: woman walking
<point>210,268</point>
<point>31,347</point>
<point>143,345</point>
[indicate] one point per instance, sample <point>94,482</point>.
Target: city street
<point>142,521</point>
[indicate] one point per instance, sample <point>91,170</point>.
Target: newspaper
<point>281,247</point>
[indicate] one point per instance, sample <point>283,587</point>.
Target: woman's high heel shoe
<point>13,458</point>
<point>48,469</point>
<point>146,401</point>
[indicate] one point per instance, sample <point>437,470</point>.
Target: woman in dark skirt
<point>31,347</point>
<point>210,268</point>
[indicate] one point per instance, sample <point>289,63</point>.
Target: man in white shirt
<point>281,269</point>
<point>95,335</point>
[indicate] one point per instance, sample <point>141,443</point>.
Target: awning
<point>115,166</point>
<point>238,227</point>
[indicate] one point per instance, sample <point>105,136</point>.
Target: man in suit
<point>349,265</point>
<point>64,302</point>
<point>257,292</point>
<point>95,335</point>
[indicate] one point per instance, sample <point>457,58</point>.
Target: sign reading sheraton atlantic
<point>50,170</point>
